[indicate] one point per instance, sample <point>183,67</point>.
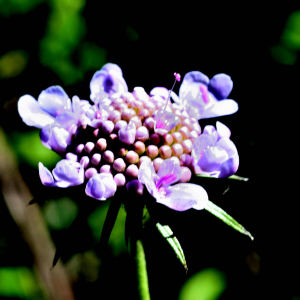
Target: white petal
<point>221,108</point>
<point>184,196</point>
<point>45,175</point>
<point>31,112</point>
<point>223,130</point>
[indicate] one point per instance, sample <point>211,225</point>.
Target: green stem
<point>137,251</point>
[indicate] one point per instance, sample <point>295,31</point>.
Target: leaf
<point>167,233</point>
<point>221,214</point>
<point>235,177</point>
<point>110,220</point>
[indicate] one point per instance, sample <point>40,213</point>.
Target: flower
<point>202,98</point>
<point>179,197</point>
<point>214,153</point>
<point>101,186</point>
<point>107,81</point>
<point>66,173</point>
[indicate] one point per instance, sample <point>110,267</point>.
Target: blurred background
<point>63,42</point>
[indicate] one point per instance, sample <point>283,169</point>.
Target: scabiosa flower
<point>214,153</point>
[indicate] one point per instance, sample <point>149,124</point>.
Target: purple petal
<point>223,130</point>
<point>195,77</point>
<point>112,67</point>
<point>68,173</point>
<point>66,119</point>
<point>101,186</point>
<point>127,134</point>
<point>45,175</point>
<point>160,91</point>
<point>167,168</point>
<point>184,196</point>
<point>165,121</point>
<point>55,138</point>
<point>31,112</point>
<point>211,130</point>
<point>212,159</point>
<point>54,100</point>
<point>201,143</point>
<point>227,145</point>
<point>109,79</point>
<point>229,167</point>
<point>220,85</point>
<point>220,108</point>
<point>147,175</point>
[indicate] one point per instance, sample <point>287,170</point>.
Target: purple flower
<point>127,134</point>
<point>202,98</point>
<point>107,81</point>
<point>101,186</point>
<point>165,121</point>
<point>179,197</point>
<point>66,173</point>
<point>214,153</point>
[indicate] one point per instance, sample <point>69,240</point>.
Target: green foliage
<point>13,63</point>
<point>207,284</point>
<point>60,213</point>
<point>18,282</point>
<point>289,46</point>
<point>222,215</point>
<point>10,7</point>
<point>96,221</point>
<point>28,143</point>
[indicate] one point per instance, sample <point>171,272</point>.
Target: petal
<point>212,159</point>
<point>109,183</point>
<point>59,139</point>
<point>169,172</point>
<point>221,108</point>
<point>220,85</point>
<point>223,130</point>
<point>184,196</point>
<point>45,175</point>
<point>54,100</point>
<point>31,112</point>
<point>160,91</point>
<point>146,176</point>
<point>68,173</point>
<point>112,67</point>
<point>109,80</point>
<point>127,134</point>
<point>211,130</point>
<point>95,188</point>
<point>66,119</point>
<point>201,143</point>
<point>227,145</point>
<point>175,98</point>
<point>229,167</point>
<point>165,121</point>
<point>191,83</point>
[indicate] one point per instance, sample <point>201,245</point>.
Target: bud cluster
<point>127,137</point>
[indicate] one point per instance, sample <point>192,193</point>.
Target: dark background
<point>247,42</point>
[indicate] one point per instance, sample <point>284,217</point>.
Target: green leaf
<point>221,214</point>
<point>208,284</point>
<point>235,177</point>
<point>167,233</point>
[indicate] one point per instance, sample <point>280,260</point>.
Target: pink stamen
<point>204,92</point>
<point>98,115</point>
<point>177,76</point>
<point>160,124</point>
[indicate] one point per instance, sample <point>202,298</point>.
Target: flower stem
<point>137,251</point>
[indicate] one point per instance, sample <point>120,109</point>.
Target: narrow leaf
<point>221,214</point>
<point>110,220</point>
<point>235,177</point>
<point>167,233</point>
